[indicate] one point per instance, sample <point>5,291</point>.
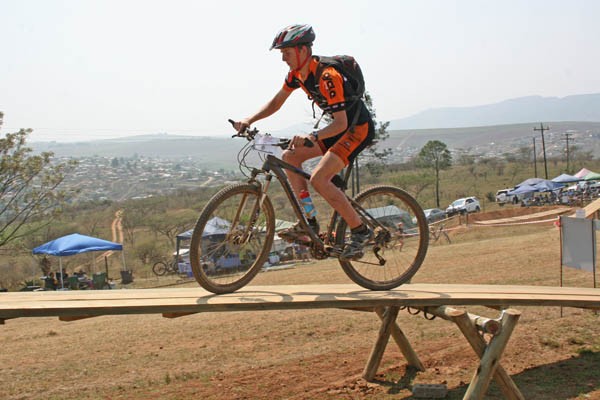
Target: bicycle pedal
<point>333,250</point>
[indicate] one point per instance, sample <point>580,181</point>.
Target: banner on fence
<point>578,243</point>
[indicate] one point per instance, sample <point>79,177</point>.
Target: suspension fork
<point>245,237</point>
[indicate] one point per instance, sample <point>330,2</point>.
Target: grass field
<point>315,354</point>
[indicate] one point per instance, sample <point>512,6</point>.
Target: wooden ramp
<point>86,303</point>
<point>526,217</point>
<point>591,209</point>
<point>488,337</point>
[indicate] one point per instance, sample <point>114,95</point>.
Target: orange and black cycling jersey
<point>329,95</point>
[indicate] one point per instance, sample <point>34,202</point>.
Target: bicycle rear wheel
<point>159,268</point>
<point>232,238</point>
<point>401,239</point>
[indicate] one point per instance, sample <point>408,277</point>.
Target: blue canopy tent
<point>522,189</point>
<point>566,178</point>
<point>548,186</point>
<point>75,243</point>
<point>529,182</point>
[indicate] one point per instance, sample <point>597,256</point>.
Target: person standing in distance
<point>338,144</point>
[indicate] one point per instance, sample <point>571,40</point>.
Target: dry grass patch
<point>314,354</point>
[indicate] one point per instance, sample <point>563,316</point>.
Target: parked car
<point>432,215</point>
<point>502,197</point>
<point>463,206</point>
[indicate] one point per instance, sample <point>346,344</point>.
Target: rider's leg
<point>330,165</point>
<point>296,157</point>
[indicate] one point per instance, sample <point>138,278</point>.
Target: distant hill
<point>490,130</point>
<point>496,135</point>
<point>221,152</point>
<point>213,152</point>
<point>584,107</point>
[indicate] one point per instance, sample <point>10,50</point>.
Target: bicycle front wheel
<point>232,238</point>
<point>400,243</point>
<point>159,268</point>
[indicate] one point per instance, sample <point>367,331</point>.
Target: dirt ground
<point>316,354</point>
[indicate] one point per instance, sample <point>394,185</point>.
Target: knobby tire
<point>404,252</point>
<point>159,268</point>
<point>225,255</point>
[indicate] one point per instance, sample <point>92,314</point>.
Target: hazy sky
<point>92,69</point>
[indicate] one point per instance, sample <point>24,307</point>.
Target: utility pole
<point>567,137</point>
<point>534,160</point>
<point>542,129</point>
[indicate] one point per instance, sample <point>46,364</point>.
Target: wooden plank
<point>176,315</point>
<point>289,290</point>
<point>519,218</point>
<point>67,318</point>
<point>485,325</point>
<point>590,209</point>
<point>193,300</point>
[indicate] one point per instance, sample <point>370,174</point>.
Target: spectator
<point>50,282</point>
<point>45,265</point>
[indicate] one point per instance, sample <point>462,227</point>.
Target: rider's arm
<point>267,110</point>
<point>332,89</point>
<point>338,124</point>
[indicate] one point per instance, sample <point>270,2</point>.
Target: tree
<point>29,194</point>
<point>435,154</point>
<point>377,155</point>
<point>172,223</point>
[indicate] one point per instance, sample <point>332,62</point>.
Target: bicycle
<point>161,268</point>
<point>237,227</point>
<point>437,231</point>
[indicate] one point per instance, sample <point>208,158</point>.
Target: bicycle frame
<point>275,166</point>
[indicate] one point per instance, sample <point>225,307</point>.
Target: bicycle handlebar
<point>249,134</point>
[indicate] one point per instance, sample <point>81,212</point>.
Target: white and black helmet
<point>293,35</point>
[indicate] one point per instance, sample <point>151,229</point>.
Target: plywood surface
<point>188,300</point>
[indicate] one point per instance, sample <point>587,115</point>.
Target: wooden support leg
<point>469,326</point>
<point>490,358</point>
<point>389,317</point>
<point>400,338</point>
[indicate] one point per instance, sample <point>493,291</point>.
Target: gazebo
<point>76,243</point>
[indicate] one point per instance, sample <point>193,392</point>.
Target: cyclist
<point>338,144</point>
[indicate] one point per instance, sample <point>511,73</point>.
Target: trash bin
<point>126,277</point>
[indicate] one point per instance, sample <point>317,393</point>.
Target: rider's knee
<point>288,156</point>
<point>317,181</point>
